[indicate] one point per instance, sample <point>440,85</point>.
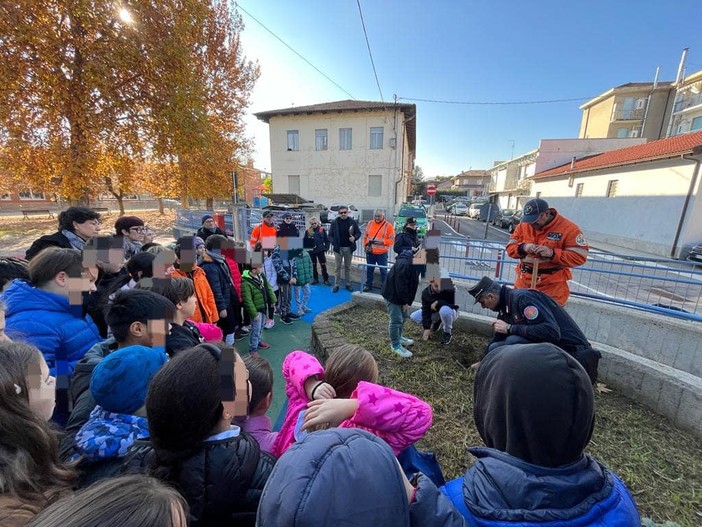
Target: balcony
<point>628,115</point>
<point>688,102</point>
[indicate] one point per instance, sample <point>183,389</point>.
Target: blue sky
<point>465,51</point>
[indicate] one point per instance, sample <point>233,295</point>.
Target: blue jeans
<point>511,339</point>
<point>379,259</point>
<point>255,332</point>
<point>302,296</point>
<point>397,320</point>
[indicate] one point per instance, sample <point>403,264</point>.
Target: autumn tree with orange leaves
<point>95,95</point>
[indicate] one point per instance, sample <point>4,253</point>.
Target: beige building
<point>635,109</point>
<point>347,152</point>
<point>687,110</point>
<point>473,182</point>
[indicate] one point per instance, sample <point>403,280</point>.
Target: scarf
<point>76,241</point>
<point>107,435</point>
<point>131,248</point>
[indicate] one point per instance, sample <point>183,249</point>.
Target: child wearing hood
<point>534,409</point>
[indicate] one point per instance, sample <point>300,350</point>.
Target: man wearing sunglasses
<point>132,229</point>
<point>343,233</point>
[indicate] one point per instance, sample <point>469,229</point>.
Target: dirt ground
<point>661,465</point>
<point>17,234</point>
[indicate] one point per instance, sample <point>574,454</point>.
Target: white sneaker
<point>402,352</point>
<point>405,341</point>
<point>268,324</point>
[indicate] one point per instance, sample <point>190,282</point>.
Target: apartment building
<point>352,152</point>
<point>687,109</point>
<point>635,109</point>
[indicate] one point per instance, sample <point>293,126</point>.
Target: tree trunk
<point>209,204</point>
<point>160,206</point>
<point>120,201</point>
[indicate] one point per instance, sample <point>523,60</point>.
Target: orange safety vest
<point>380,241</point>
<point>262,231</point>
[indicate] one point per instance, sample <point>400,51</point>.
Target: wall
<point>644,214</point>
<point>661,105</point>
<point>598,121</point>
<point>333,176</point>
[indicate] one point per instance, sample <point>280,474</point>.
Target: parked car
<point>514,221</point>
<point>333,212</point>
<point>408,210</point>
<point>474,210</point>
<point>503,218</point>
<point>459,209</point>
<point>692,253</point>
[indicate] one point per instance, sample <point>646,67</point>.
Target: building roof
<point>654,150</point>
<point>410,111</point>
<point>627,88</point>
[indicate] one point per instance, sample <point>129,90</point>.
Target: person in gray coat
<point>346,476</point>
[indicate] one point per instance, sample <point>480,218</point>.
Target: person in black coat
<point>407,239</point>
<point>527,316</point>
<point>134,317</point>
<point>219,277</point>
<point>76,226</point>
<point>343,233</point>
<point>398,290</point>
<point>317,241</point>
<point>219,469</point>
<point>209,227</point>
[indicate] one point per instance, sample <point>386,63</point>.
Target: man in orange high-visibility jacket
<point>377,240</point>
<point>556,242</point>
<point>265,234</point>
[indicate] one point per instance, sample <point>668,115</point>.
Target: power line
<point>238,6</point>
<point>363,23</point>
<point>494,103</point>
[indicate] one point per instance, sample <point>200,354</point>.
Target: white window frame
<point>6,197</point>
<point>375,185</point>
<point>579,190</point>
<point>612,187</point>
<point>345,138</point>
<point>692,124</point>
<point>291,184</point>
<point>321,139</point>
<point>376,138</point>
<point>32,196</point>
<point>293,140</point>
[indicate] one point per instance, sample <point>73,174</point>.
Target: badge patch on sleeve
<point>580,240</point>
<point>531,312</point>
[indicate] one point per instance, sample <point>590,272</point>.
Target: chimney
<point>572,163</point>
<point>681,67</point>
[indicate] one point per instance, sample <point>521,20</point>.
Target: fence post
<point>498,265</point>
<point>467,248</point>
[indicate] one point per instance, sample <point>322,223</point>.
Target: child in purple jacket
<point>257,423</point>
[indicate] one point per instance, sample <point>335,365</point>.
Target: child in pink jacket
<point>346,396</point>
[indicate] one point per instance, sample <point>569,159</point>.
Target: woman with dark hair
<point>76,226</point>
<point>48,312</point>
<point>219,469</point>
<point>31,475</point>
<point>118,502</point>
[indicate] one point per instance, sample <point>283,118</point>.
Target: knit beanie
<point>127,222</point>
<point>121,380</point>
<point>197,241</point>
<point>206,217</point>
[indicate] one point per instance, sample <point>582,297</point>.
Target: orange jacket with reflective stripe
<point>262,231</point>
<point>570,249</point>
<point>381,236</point>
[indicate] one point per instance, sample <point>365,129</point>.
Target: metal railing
<point>657,285</point>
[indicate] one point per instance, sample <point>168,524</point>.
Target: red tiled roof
<point>662,149</point>
<point>410,111</point>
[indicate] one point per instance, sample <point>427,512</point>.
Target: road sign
<point>431,189</point>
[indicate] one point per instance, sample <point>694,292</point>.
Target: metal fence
<point>664,286</point>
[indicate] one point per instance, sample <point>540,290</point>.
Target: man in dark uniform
<point>527,315</point>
